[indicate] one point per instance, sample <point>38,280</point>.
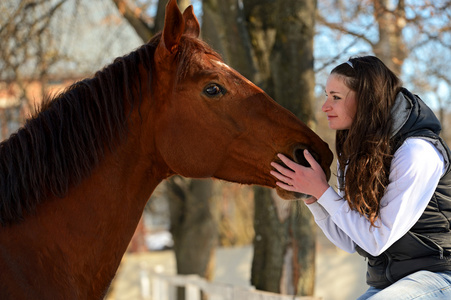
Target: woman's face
<point>340,105</point>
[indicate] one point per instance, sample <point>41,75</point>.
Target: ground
<point>339,275</point>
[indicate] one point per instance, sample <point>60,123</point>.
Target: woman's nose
<point>326,106</point>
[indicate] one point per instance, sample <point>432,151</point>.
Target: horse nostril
<point>298,155</point>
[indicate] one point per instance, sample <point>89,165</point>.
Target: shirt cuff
<point>331,201</point>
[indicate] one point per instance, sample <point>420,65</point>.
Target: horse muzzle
<point>298,157</point>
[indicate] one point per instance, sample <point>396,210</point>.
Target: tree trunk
<point>390,48</point>
<point>284,246</point>
<point>192,226</point>
<point>224,28</point>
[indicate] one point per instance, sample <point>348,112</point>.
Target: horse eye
<point>213,90</point>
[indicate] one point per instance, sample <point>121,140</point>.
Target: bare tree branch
<point>136,18</point>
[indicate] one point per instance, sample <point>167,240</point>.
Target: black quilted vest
<point>427,245</point>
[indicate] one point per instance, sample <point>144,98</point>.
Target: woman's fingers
<point>311,160</point>
<point>288,162</point>
<point>294,166</point>
<point>284,175</point>
<point>279,176</point>
<point>297,178</point>
<point>286,187</point>
<point>285,181</point>
<point>282,170</point>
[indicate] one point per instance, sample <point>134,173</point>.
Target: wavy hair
<point>364,151</point>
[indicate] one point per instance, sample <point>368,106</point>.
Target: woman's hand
<point>307,180</point>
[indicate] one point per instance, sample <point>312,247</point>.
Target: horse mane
<point>65,140</point>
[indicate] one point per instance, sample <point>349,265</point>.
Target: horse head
<point>213,122</point>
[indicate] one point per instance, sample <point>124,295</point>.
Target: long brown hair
<point>364,151</point>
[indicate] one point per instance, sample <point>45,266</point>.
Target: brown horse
<point>76,177</point>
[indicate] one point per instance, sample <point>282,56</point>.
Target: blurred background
<point>221,231</point>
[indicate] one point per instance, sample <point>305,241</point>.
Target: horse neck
<point>111,203</point>
<point>82,237</point>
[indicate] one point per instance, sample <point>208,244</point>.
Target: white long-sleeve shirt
<point>415,171</point>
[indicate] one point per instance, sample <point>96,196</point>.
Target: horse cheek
<point>185,153</point>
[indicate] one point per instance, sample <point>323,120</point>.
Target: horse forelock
<point>191,51</point>
<point>65,139</point>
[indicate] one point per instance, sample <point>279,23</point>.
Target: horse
<point>76,177</point>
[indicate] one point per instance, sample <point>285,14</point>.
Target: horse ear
<point>173,26</point>
<point>192,27</point>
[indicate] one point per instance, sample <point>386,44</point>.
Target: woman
<point>394,183</point>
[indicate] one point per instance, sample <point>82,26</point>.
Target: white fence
<point>164,287</point>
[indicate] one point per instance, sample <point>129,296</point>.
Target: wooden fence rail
<point>164,287</point>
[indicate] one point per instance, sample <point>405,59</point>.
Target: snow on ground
<point>339,275</point>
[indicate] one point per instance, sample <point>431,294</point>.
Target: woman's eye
<point>213,90</point>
